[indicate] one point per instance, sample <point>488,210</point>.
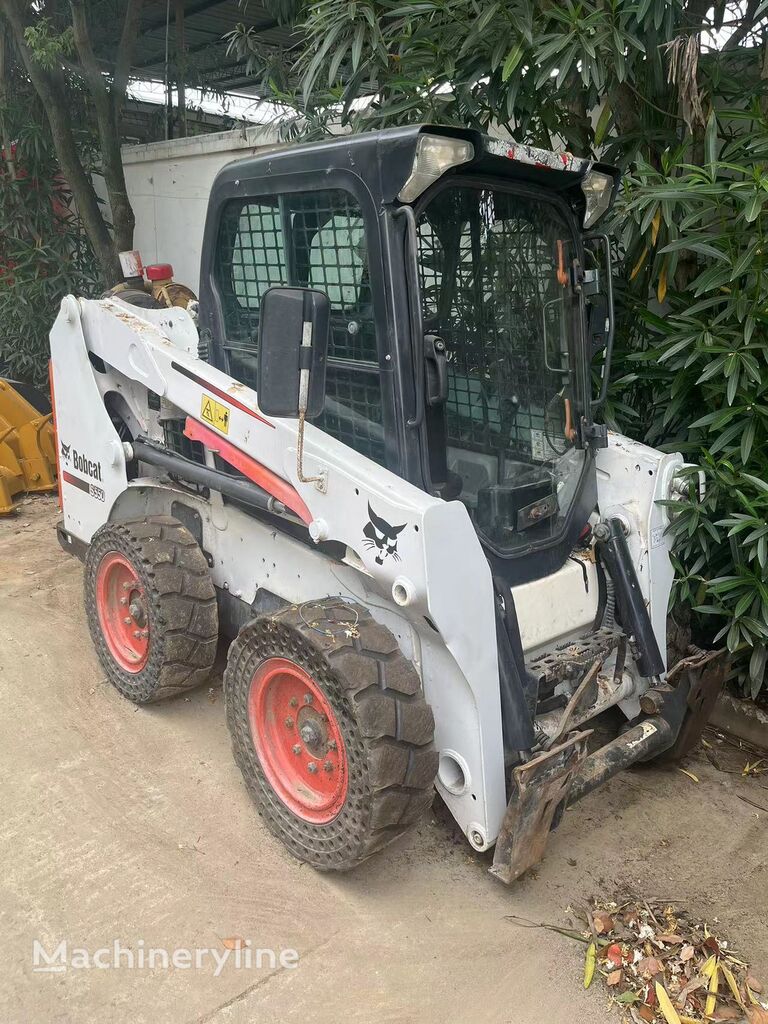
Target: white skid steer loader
<point>372,459</point>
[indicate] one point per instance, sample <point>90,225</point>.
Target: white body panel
<point>541,620</point>
<point>631,478</point>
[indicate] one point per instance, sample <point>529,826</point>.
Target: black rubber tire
<point>182,614</point>
<point>387,727</point>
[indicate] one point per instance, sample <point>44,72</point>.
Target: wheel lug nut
<point>312,767</point>
<point>297,748</point>
<point>127,586</point>
<point>123,600</point>
<point>137,634</point>
<point>127,620</point>
<point>293,702</point>
<point>332,745</point>
<point>328,766</point>
<point>307,698</point>
<point>289,722</point>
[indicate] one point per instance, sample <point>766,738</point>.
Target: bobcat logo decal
<point>65,451</point>
<point>380,537</point>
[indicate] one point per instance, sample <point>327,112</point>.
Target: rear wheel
<point>330,730</point>
<point>151,607</point>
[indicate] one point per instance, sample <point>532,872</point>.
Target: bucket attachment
<point>27,447</point>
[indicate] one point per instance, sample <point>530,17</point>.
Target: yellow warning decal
<point>215,413</point>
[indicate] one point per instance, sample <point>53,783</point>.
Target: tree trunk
<point>108,99</point>
<point>5,139</point>
<point>50,86</point>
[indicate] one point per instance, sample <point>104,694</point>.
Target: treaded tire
<point>180,605</point>
<point>387,728</point>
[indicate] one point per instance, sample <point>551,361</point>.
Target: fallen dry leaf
<point>732,984</point>
<point>670,940</point>
<point>649,967</point>
<point>589,964</point>
<point>603,922</point>
<point>686,953</point>
<point>727,1013</point>
<point>614,977</point>
<point>754,984</point>
<point>616,957</point>
<point>233,943</point>
<point>692,986</point>
<point>714,982</point>
<point>689,774</point>
<point>646,1012</point>
<point>757,1015</point>
<point>671,1016</point>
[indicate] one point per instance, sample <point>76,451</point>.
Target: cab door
<point>323,239</point>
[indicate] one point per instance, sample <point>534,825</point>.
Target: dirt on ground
<point>133,825</point>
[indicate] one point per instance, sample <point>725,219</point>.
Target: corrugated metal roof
<point>205,24</point>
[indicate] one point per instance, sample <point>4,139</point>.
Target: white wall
<point>169,184</point>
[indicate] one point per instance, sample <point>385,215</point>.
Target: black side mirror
<point>294,326</point>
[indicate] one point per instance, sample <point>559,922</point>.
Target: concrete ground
<point>129,824</point>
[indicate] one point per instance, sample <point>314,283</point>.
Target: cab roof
<point>384,159</point>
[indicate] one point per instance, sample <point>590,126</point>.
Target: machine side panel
<point>91,459</point>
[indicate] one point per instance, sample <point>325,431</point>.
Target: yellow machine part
<point>27,448</point>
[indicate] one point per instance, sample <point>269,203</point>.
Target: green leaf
<point>710,139</point>
<point>603,123</point>
<point>514,57</point>
<point>753,207</point>
<point>747,439</point>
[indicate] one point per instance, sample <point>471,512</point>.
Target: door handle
<point>436,367</point>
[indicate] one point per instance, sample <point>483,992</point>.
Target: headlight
<point>435,154</point>
<point>598,192</point>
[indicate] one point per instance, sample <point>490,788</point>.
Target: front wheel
<point>330,730</point>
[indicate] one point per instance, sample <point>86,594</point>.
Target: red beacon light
<point>159,272</point>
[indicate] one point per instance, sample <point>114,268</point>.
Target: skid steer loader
<point>375,462</point>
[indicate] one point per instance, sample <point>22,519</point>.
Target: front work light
<point>435,154</point>
<point>598,192</point>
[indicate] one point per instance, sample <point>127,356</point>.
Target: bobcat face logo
<point>65,451</point>
<point>380,537</point>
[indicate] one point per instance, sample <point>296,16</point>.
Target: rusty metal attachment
<point>704,672</point>
<point>541,788</point>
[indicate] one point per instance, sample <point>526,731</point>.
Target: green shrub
<point>705,349</point>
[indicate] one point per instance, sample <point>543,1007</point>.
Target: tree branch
<point>5,138</point>
<point>746,26</point>
<point>125,51</point>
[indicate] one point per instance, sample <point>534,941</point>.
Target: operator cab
<point>465,308</point>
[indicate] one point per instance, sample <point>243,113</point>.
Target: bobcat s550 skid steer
<point>374,462</point>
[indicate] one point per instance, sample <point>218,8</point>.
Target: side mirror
<point>294,326</point>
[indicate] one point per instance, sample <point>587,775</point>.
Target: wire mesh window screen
<point>492,271</point>
<point>316,240</point>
